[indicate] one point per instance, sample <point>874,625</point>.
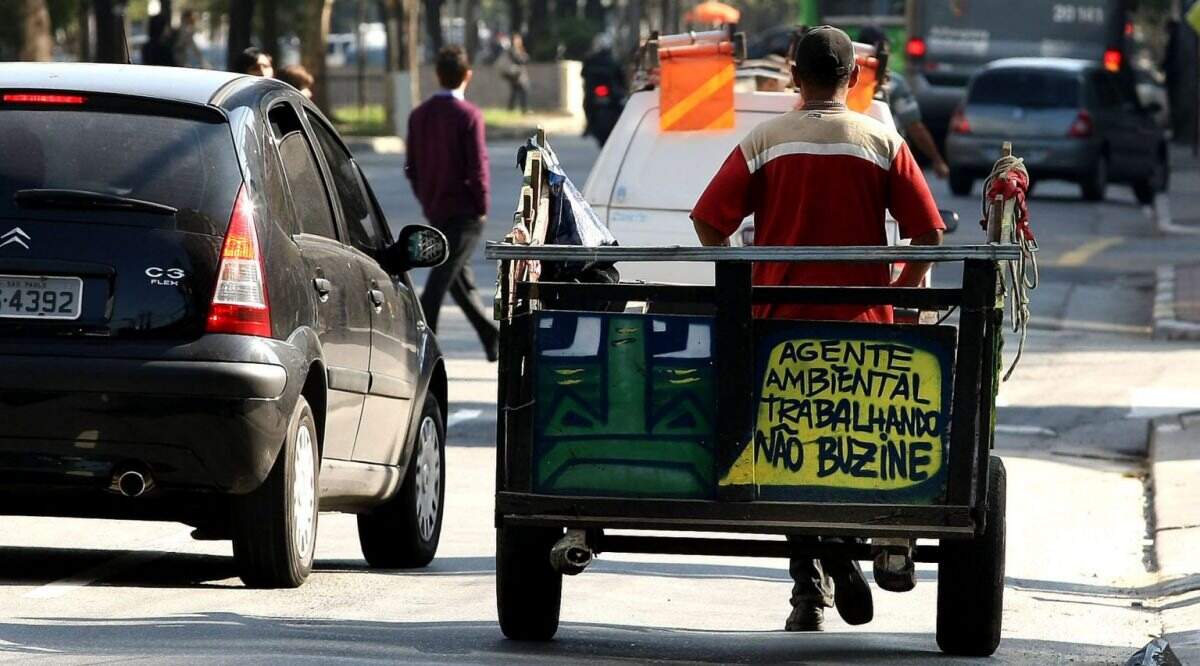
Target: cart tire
<point>528,589</point>
<point>970,601</point>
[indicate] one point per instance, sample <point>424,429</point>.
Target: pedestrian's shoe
<point>851,593</point>
<point>894,573</point>
<point>805,617</point>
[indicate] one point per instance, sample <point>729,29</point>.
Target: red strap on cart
<point>1014,184</point>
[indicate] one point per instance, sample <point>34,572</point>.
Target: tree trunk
<point>471,27</point>
<point>433,24</point>
<point>270,26</point>
<point>241,19</point>
<point>312,47</point>
<point>36,43</point>
<point>566,9</point>
<point>110,44</point>
<point>412,40</point>
<point>85,33</point>
<point>516,16</point>
<point>540,28</point>
<point>593,10</point>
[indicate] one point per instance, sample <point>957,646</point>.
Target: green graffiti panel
<point>625,405</point>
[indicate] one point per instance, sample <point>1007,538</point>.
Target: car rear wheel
<point>961,183</point>
<point>403,533</point>
<point>1095,184</point>
<point>275,527</point>
<point>970,586</point>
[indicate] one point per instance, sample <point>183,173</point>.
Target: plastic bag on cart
<point>572,222</point>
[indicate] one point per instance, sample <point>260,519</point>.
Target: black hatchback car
<point>204,318</point>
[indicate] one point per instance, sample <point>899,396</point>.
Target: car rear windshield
<point>187,163</point>
<point>1026,88</point>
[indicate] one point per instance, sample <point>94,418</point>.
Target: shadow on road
<point>235,637</point>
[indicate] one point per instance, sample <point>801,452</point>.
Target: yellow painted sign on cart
<point>849,414</point>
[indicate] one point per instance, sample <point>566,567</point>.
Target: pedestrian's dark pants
<point>519,96</point>
<point>810,578</point>
<point>456,276</point>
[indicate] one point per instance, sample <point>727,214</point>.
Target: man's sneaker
<point>851,593</point>
<point>894,573</point>
<point>805,617</point>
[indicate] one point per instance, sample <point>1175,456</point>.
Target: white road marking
<point>148,552</point>
<point>1025,430</point>
<point>1147,403</point>
<point>462,416</point>
<point>9,646</point>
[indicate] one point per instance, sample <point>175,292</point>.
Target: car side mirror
<point>419,246</point>
<point>950,219</point>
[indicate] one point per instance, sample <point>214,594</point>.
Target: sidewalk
<point>1177,293</point>
<point>500,126</point>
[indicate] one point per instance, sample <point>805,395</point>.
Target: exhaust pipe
<point>132,483</point>
<point>572,554</point>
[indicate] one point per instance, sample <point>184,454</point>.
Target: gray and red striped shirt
<point>820,176</point>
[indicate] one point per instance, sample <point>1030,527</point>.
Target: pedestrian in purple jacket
<point>447,164</point>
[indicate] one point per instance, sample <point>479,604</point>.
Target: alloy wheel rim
<point>304,494</point>
<point>428,478</point>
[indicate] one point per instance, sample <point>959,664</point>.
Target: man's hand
<point>941,169</point>
<point>914,272</point>
<point>708,236</point>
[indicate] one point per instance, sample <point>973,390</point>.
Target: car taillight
<point>916,48</point>
<point>601,91</point>
<point>1082,126</point>
<point>959,123</point>
<point>239,304</point>
<point>1112,60</point>
<point>40,98</point>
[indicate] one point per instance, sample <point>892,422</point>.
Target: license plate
<point>29,297</point>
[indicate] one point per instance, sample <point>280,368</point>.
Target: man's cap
<point>824,53</point>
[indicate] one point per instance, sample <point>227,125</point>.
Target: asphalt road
<point>1072,424</point>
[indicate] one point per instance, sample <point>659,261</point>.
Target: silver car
<point>1070,119</point>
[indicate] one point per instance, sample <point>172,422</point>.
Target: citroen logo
<point>15,237</point>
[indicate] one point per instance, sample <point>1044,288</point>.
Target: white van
<point>645,182</point>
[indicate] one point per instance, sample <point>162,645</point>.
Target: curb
<point>1166,324</point>
<point>1174,462</point>
<point>375,145</point>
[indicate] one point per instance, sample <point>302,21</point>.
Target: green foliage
<point>576,35</point>
<point>370,120</point>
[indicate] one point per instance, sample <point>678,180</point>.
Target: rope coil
<point>1009,181</point>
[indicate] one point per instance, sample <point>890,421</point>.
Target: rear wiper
<point>61,198</point>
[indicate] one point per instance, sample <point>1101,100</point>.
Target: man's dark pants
<point>810,578</point>
<point>456,276</point>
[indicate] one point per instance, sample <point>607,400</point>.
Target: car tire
<point>275,526</point>
<point>970,586</point>
<point>403,533</point>
<point>528,589</point>
<point>961,183</point>
<point>1095,184</point>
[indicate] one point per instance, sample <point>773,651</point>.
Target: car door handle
<point>322,286</point>
<point>377,297</point>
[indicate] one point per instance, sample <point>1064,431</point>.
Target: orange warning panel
<point>860,96</point>
<point>696,88</point>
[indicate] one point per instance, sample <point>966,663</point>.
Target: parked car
<point>1070,119</point>
<point>204,318</point>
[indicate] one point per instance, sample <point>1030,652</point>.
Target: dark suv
<point>204,318</point>
<point>1069,119</point>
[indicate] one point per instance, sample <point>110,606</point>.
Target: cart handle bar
<point>854,254</point>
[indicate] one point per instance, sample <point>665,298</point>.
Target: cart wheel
<point>528,589</point>
<point>971,581</point>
